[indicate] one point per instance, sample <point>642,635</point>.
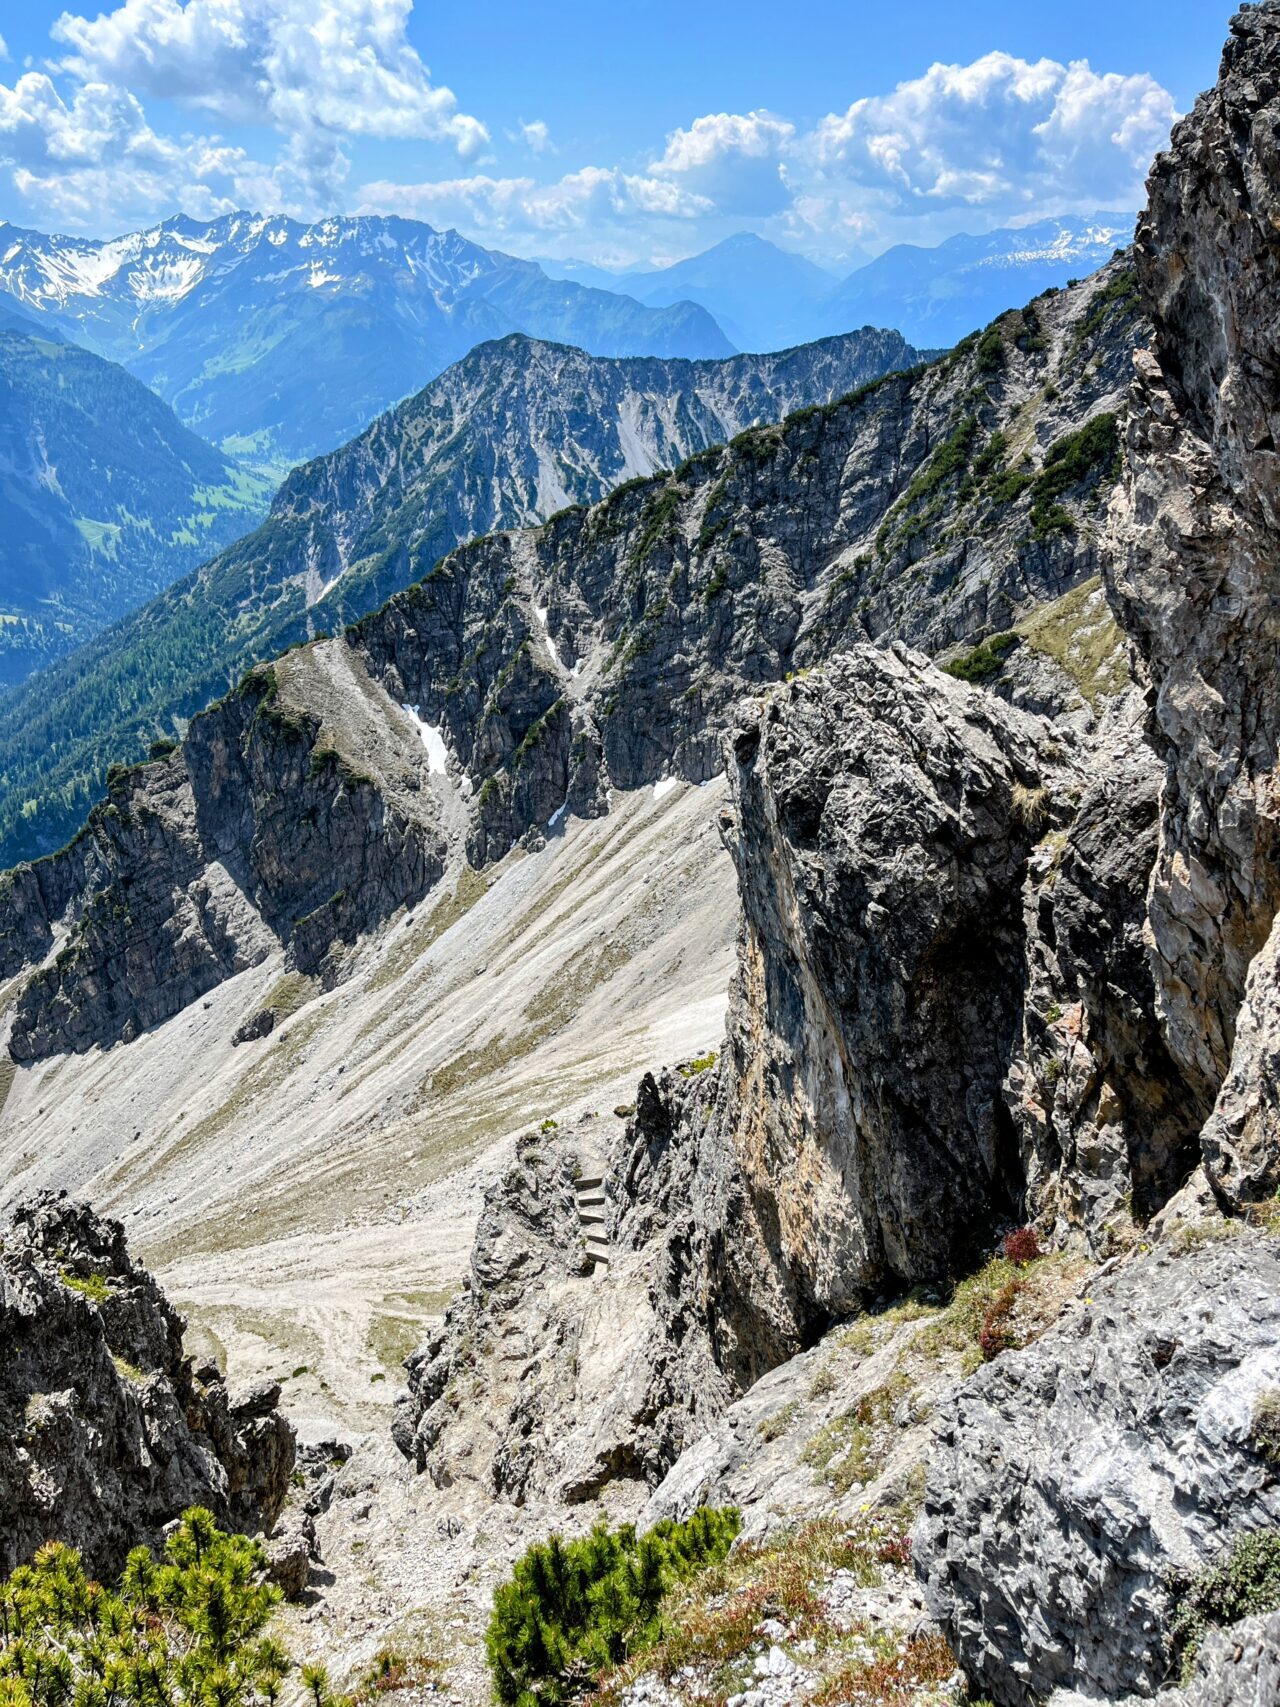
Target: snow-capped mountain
<point>766,298</point>
<point>934,297</point>
<point>279,340</point>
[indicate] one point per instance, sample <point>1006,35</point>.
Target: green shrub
<point>93,1286</point>
<point>571,1608</point>
<point>984,661</point>
<point>186,1629</point>
<point>1264,1429</point>
<point>1092,454</point>
<point>990,356</point>
<point>1247,1582</point>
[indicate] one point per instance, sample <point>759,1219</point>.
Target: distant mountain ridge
<point>278,340</point>
<point>105,497</point>
<point>765,297</point>
<point>514,432</point>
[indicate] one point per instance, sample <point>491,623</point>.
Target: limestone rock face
<point>295,811</point>
<point>106,1434</point>
<point>1238,1667</point>
<point>528,673</point>
<point>547,1382</point>
<point>1068,1479</point>
<point>1106,1131</point>
<point>892,830</point>
<point>1195,581</point>
<point>883,815</point>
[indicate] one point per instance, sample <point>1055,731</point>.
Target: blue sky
<point>621,134</point>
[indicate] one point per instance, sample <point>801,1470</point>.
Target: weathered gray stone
<point>1194,582</point>
<point>1069,1479</point>
<point>105,1433</point>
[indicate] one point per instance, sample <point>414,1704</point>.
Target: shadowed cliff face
<point>105,1433</point>
<point>607,648</point>
<point>1200,518</point>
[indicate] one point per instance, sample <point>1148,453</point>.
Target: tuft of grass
<point>985,660</point>
<point>1264,1429</point>
<point>395,1669</point>
<point>712,1624</point>
<point>774,1426</point>
<point>897,1675</point>
<point>699,1064</point>
<point>1244,1584</point>
<point>1080,635</point>
<point>92,1286</point>
<point>854,1447</point>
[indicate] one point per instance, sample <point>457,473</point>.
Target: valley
<point>640,1034</point>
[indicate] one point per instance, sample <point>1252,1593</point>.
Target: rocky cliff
<point>997,965</point>
<point>106,1431</point>
<point>513,432</point>
<point>605,649</point>
<point>1194,578</point>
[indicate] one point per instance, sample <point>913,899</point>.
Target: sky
<point>623,135</point>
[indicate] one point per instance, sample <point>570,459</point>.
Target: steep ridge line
<point>510,434</point>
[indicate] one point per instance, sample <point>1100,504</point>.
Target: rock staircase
<point>588,1191</point>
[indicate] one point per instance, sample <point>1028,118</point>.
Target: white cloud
<point>733,160</point>
<point>340,65</point>
<point>995,142</point>
<point>537,136</point>
<point>586,200</point>
<point>1002,133</point>
<point>4,48</point>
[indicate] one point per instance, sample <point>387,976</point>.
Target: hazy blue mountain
<point>105,497</point>
<point>277,340</point>
<point>765,298</point>
<point>515,431</point>
<point>936,296</point>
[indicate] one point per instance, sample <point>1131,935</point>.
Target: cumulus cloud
<point>318,72</point>
<point>76,157</point>
<point>340,65</point>
<point>735,161</point>
<point>589,199</point>
<point>998,141</point>
<point>1002,132</point>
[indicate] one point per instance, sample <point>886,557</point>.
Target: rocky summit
<point>715,1053</point>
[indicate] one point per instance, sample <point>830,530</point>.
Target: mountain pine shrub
<point>185,1630</point>
<point>573,1608</point>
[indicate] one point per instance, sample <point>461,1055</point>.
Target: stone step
<point>598,1249</point>
<point>592,1220</point>
<point>588,1182</point>
<point>594,1195</point>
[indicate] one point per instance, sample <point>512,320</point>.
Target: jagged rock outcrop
<point>543,1381</point>
<point>106,1433</point>
<point>1195,581</point>
<point>1236,1667</point>
<point>1069,1480</point>
<point>1105,1131</point>
<point>298,809</point>
<point>883,815</point>
<point>607,648</point>
<point>891,828</point>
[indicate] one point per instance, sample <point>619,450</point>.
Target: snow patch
<point>540,611</point>
<point>558,814</point>
<point>663,788</point>
<point>433,740</point>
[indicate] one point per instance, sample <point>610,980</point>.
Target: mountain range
<point>765,297</point>
<point>278,340</point>
<point>515,431</point>
<point>105,497</point>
